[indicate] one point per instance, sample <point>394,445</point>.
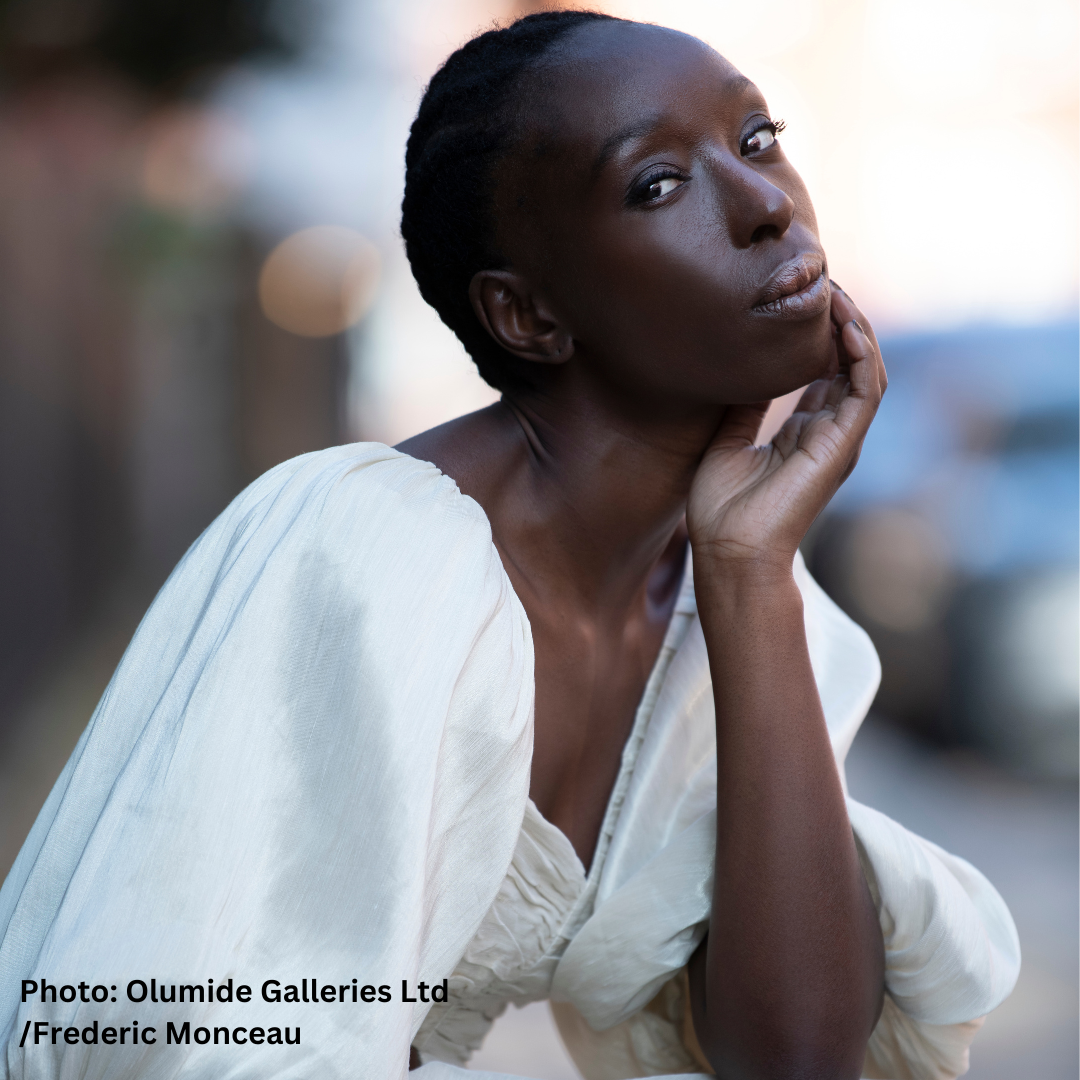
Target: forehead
<point>607,80</point>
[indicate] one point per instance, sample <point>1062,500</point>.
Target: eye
<point>662,186</point>
<point>656,185</point>
<point>762,138</point>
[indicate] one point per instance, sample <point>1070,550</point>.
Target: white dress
<point>313,764</point>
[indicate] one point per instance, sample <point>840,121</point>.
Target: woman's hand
<point>791,979</point>
<point>751,504</point>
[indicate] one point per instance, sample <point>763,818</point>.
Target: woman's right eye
<point>656,187</point>
<point>662,187</point>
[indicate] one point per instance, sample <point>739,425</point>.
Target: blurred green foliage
<point>146,238</point>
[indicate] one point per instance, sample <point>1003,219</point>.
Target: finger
<point>838,388</point>
<point>741,423</point>
<point>844,309</point>
<point>814,396</point>
<point>870,378</point>
<point>857,409</point>
<point>837,311</point>
<point>840,313</point>
<point>787,438</point>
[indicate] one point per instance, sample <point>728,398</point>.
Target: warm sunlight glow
<point>319,281</point>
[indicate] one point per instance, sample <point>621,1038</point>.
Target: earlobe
<point>518,319</point>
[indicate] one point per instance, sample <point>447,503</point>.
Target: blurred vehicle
<point>955,542</point>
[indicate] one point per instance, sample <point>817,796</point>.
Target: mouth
<point>798,289</point>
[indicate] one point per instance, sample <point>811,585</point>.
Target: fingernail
<point>835,286</point>
<point>857,325</point>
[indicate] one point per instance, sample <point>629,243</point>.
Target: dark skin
<point>663,281</point>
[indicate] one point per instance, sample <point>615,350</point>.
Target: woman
<point>419,732</point>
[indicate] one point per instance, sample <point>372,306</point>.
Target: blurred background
<point>201,276</point>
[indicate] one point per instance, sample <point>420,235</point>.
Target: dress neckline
<point>586,883</point>
<point>682,614</point>
<point>678,625</point>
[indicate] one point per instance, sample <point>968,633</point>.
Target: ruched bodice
<point>541,904</point>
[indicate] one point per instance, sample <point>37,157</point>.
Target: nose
<point>755,208</point>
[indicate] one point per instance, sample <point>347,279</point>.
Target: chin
<point>816,351</point>
<point>797,364</point>
<point>828,364</point>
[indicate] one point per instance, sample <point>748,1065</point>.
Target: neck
<point>585,491</point>
<point>592,500</point>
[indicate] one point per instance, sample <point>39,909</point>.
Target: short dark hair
<point>462,130</point>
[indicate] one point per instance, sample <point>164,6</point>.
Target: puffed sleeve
<point>951,950</point>
<point>311,764</point>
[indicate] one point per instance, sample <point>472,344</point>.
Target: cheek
<point>656,292</point>
<point>666,309</point>
<point>677,341</point>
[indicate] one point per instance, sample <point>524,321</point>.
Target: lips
<point>798,288</point>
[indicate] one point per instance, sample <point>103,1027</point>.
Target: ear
<point>519,320</point>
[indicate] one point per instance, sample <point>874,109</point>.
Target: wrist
<point>749,597</point>
<point>731,565</point>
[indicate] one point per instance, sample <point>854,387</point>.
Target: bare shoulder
<point>473,450</point>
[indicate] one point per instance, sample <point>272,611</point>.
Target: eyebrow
<point>624,135</point>
<point>638,128</point>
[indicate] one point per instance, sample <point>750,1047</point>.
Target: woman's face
<point>651,206</point>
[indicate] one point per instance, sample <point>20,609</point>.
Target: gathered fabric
<point>312,764</point>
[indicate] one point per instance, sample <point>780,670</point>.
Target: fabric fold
<point>312,763</point>
<point>952,954</point>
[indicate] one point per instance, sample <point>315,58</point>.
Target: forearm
<point>790,983</point>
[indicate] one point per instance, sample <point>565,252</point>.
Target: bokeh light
<point>195,159</point>
<point>900,569</point>
<point>319,281</point>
